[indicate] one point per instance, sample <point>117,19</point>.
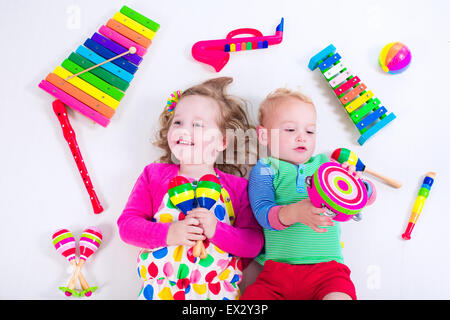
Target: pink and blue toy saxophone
<point>217,52</point>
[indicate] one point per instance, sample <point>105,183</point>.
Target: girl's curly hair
<point>233,121</point>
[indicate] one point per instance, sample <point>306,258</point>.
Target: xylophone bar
<point>361,105</point>
<point>93,80</point>
<point>108,54</point>
<point>111,67</point>
<point>128,33</point>
<point>74,103</point>
<point>99,72</point>
<point>80,95</point>
<point>116,48</point>
<point>139,18</point>
<point>123,41</point>
<point>88,88</point>
<point>133,25</point>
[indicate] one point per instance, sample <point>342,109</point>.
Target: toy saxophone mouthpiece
<point>216,53</point>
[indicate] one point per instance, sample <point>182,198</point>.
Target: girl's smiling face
<point>194,136</point>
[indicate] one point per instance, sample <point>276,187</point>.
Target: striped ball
<point>395,57</point>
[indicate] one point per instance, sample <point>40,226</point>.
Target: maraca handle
<point>75,275</point>
<point>389,181</point>
<point>81,277</point>
<point>199,250</point>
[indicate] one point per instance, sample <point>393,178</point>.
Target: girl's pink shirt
<point>244,239</point>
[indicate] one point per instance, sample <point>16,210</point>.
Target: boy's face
<point>289,130</point>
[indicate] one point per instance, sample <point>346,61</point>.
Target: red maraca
<point>64,243</point>
<point>207,194</point>
<point>90,240</point>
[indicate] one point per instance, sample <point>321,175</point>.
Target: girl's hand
<point>304,212</point>
<point>185,232</point>
<point>207,219</point>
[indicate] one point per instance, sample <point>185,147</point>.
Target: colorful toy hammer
<point>345,155</point>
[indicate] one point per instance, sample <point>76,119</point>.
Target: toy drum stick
<point>342,155</point>
<point>132,50</point>
<point>419,203</point>
<point>393,183</point>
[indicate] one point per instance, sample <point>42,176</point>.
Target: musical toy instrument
<point>364,109</point>
<point>64,243</point>
<point>94,78</point>
<point>69,135</point>
<point>342,155</point>
<point>90,241</point>
<point>424,191</point>
<point>216,53</point>
<point>207,193</point>
<point>181,193</point>
<point>332,187</point>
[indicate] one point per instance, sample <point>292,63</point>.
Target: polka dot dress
<point>173,273</point>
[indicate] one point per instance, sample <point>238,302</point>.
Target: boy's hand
<point>207,219</point>
<point>304,212</point>
<point>351,170</point>
<point>185,232</point>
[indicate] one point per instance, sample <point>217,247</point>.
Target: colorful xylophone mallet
<point>65,244</point>
<point>207,193</point>
<point>424,191</point>
<point>365,110</point>
<point>90,241</point>
<point>342,155</point>
<point>93,80</point>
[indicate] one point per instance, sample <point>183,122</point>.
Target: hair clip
<point>173,100</point>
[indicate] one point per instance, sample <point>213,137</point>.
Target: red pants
<point>282,281</point>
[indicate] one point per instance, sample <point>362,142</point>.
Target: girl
<point>193,128</point>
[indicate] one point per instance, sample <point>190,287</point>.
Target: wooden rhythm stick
<point>69,135</point>
<point>132,50</point>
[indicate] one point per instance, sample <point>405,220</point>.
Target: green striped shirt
<point>298,243</point>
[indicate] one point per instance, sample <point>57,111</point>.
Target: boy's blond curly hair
<point>275,97</point>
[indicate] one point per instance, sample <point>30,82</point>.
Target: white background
<point>41,190</point>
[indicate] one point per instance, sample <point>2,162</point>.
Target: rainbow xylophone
<point>94,78</point>
<point>362,106</point>
<point>98,92</point>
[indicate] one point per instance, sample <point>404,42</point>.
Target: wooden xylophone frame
<point>363,108</point>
